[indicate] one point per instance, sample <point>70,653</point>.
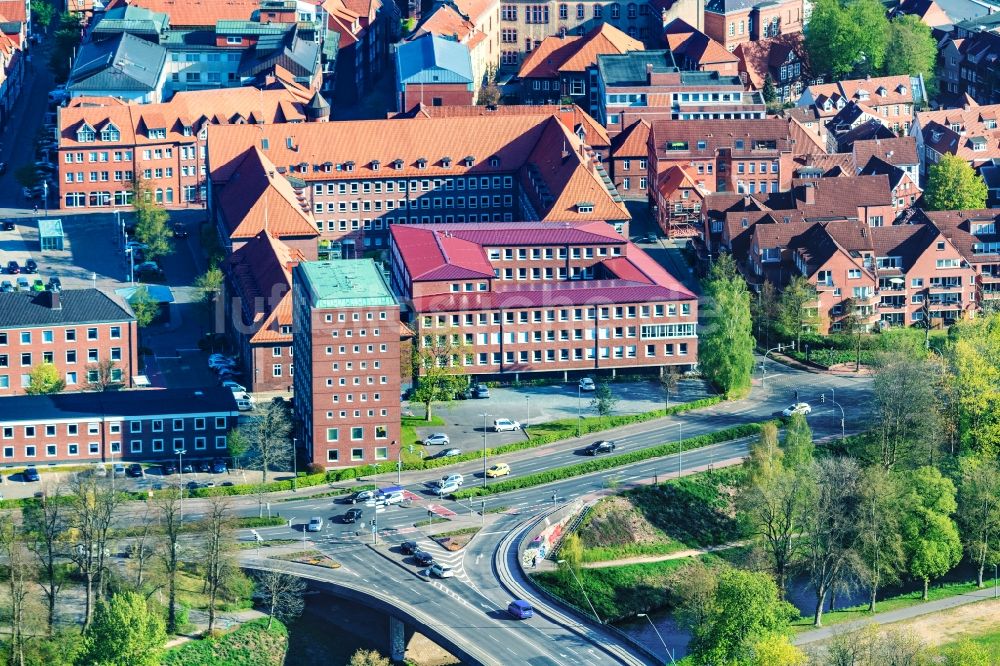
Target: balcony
<point>945,286</point>
<point>892,305</point>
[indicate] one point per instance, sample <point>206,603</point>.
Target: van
<point>244,402</point>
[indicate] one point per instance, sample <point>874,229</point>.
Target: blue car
<point>30,475</point>
<point>520,609</point>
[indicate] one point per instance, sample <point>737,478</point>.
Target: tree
<point>873,645</point>
<point>140,552</point>
<point>364,657</point>
<point>852,323</point>
<point>65,42</point>
<point>218,544</point>
<point>45,525</point>
<point>966,653</point>
<point>769,93</point>
<point>144,307</point>
<point>45,379</point>
<point>766,314</point>
<point>151,222</point>
<point>92,507</point>
<point>975,382</point>
<point>746,610</point>
<point>172,520</point>
<point>831,526</point>
<point>237,445</point>
<point>726,343</point>
<point>268,438</point>
<point>979,511</point>
<point>104,376</point>
<point>798,308</point>
<point>880,544</point>
<point>845,38</point>
<point>19,586</point>
<point>693,587</point>
<point>42,13</point>
<point>870,36</point>
<point>798,446</point>
<point>911,49</point>
<point>669,381</point>
<point>952,184</point>
<point>281,595</point>
<point>125,632</point>
<point>775,650</point>
<point>906,410</point>
<point>489,93</point>
<point>209,284</point>
<point>930,538</point>
<point>437,368</point>
<point>604,401</point>
<point>571,550</point>
<point>27,176</point>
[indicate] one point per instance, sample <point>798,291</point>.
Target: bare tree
<point>268,438</point>
<point>19,585</point>
<point>102,376</point>
<point>907,410</point>
<point>45,529</point>
<point>281,594</point>
<point>140,550</point>
<point>669,381</point>
<point>217,530</point>
<point>694,587</point>
<point>170,511</point>
<point>92,505</point>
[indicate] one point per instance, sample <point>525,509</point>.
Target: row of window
<point>358,454</point>
<point>99,176</point>
<point>48,336</point>
<point>540,13</point>
<point>93,356</point>
<point>98,156</point>
<point>402,204</point>
<point>422,185</point>
<point>72,378</point>
<point>177,56</point>
<point>564,354</point>
<point>537,316</point>
<point>136,446</point>
<point>564,335</point>
<point>189,194</point>
<point>357,433</point>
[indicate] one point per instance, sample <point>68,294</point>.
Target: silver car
<point>315,524</point>
<point>437,439</point>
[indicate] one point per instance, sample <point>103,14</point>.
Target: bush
<point>252,644</point>
<point>263,521</point>
<point>314,468</point>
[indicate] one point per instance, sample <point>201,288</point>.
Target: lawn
<point>408,433</point>
<point>252,644</point>
<point>851,613</point>
<point>990,640</point>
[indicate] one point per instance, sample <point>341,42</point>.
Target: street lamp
<point>485,416</point>
<point>662,642</point>
<point>579,414</point>
<point>763,369</point>
<point>399,464</point>
<point>45,196</point>
<point>582,589</point>
<point>680,448</point>
<point>120,225</point>
<point>842,415</point>
<point>180,469</point>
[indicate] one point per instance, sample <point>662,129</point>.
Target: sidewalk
<point>648,559</point>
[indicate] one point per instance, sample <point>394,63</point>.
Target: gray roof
<point>630,68</point>
<point>128,18</point>
<point>709,79</point>
<point>144,402</point>
<point>122,63</point>
<point>727,6</point>
<point>79,306</point>
<point>433,59</point>
<point>288,49</point>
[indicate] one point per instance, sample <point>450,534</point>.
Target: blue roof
<point>433,59</point>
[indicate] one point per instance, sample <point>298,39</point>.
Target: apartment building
<point>475,24</point>
<point>347,342</point>
<point>974,234</point>
<point>557,68</point>
<point>364,31</point>
<point>628,161</point>
<point>646,85</point>
<point>969,132</point>
<point>75,330</point>
<point>105,144</point>
<point>967,62</point>
<point>735,22</point>
<point>116,426</point>
<point>528,297</point>
<point>13,61</point>
<point>356,179</point>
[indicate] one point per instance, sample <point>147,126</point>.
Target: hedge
<point>611,462</point>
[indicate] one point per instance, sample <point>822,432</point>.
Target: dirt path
<point>952,625</point>
<point>646,559</point>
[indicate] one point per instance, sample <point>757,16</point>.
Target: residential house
<point>781,60</point>
<point>904,188</point>
<point>678,203</point>
<point>12,65</point>
<point>892,100</point>
<point>933,15</point>
<point>435,71</point>
<point>871,130</point>
<point>557,68</point>
<point>364,29</point>
<point>970,132</point>
<point>125,66</point>
<point>695,51</point>
<point>628,163</point>
<point>967,62</point>
<point>735,22</point>
<point>974,234</point>
<point>472,23</point>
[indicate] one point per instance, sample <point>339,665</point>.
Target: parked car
<point>352,515</point>
<point>423,558</point>
<point>244,401</point>
<point>135,471</point>
<point>186,468</point>
<point>408,547</point>
<point>6,287</point>
<point>30,266</point>
<point>136,245</point>
<point>118,469</point>
<point>441,571</point>
<point>166,469</point>
<point>219,466</point>
<point>7,225</point>
<point>55,284</point>
<point>234,386</point>
<point>204,467</point>
<point>315,524</point>
<point>797,408</point>
<point>587,384</point>
<point>449,453</point>
<point>437,439</point>
<point>179,232</point>
<point>22,284</point>
<point>30,475</point>
<point>38,285</point>
<point>500,425</point>
<point>447,489</point>
<point>599,447</point>
<point>148,267</point>
<point>499,469</point>
<point>3,168</point>
<point>361,496</point>
<point>13,268</point>
<point>220,359</point>
<point>520,609</point>
<point>482,391</point>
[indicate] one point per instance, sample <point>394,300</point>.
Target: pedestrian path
<point>676,555</point>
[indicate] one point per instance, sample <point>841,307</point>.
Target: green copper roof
<point>345,283</point>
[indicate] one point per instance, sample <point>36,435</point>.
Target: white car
<point>447,489</point>
<point>500,425</point>
<point>244,401</point>
<point>315,525</point>
<point>234,386</point>
<point>457,479</point>
<point>797,408</point>
<point>441,571</point>
<point>587,384</point>
<point>437,439</point>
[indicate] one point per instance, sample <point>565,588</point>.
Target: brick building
<point>357,178</point>
<point>694,50</point>
<point>781,60</point>
<point>75,330</point>
<point>891,100</point>
<point>735,22</point>
<point>105,145</point>
<point>116,426</point>
<point>347,342</point>
<point>475,24</point>
<point>970,133</point>
<point>647,85</point>
<point>629,159</point>
<point>536,298</point>
<point>435,71</point>
<point>974,235</point>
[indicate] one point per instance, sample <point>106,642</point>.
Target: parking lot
<point>539,404</point>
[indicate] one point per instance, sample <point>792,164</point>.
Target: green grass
<point>943,591</point>
<point>251,644</point>
<point>436,520</point>
<point>606,553</point>
<point>408,433</point>
<point>989,640</point>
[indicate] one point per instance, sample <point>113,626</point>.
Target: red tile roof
<point>200,13</point>
<point>556,55</point>
<point>552,294</point>
<point>724,134</point>
<point>633,141</point>
<point>687,42</point>
<point>261,273</point>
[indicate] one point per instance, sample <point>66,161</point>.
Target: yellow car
<point>500,469</point>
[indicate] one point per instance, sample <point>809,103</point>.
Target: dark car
<point>135,471</point>
<point>423,558</point>
<point>30,475</point>
<point>55,284</point>
<point>353,515</point>
<point>13,268</point>
<point>193,485</point>
<point>481,391</point>
<point>187,469</point>
<point>218,467</point>
<point>204,467</point>
<point>168,469</point>
<point>30,266</point>
<point>7,225</point>
<point>408,547</point>
<point>179,232</point>
<point>6,287</point>
<point>599,447</point>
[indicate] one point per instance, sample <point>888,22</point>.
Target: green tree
<point>880,543</point>
<point>45,379</point>
<point>151,221</point>
<point>798,308</point>
<point>906,414</point>
<point>27,176</point>
<point>437,368</point>
<point>979,511</point>
<point>571,550</point>
<point>726,342</point>
<point>604,401</point>
<point>952,184</point>
<point>144,307</point>
<point>930,537</point>
<point>911,49</point>
<point>798,445</point>
<point>974,358</point>
<point>966,653</point>
<point>770,95</point>
<point>847,37</point>
<point>209,284</point>
<point>42,12</point>
<point>745,611</point>
<point>870,35</point>
<point>65,42</point>
<point>775,650</point>
<point>693,586</point>
<point>125,632</point>
<point>765,313</point>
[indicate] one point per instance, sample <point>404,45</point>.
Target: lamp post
<point>485,416</point>
<point>582,589</point>
<point>680,448</point>
<point>763,369</point>
<point>658,635</point>
<point>842,415</point>
<point>399,464</point>
<point>180,469</point>
<point>579,413</point>
<point>994,581</point>
<point>45,196</point>
<point>295,464</point>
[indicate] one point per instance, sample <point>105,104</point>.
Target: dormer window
<point>826,105</point>
<point>469,161</point>
<point>841,103</point>
<point>585,207</point>
<point>303,167</point>
<point>446,162</point>
<point>862,93</point>
<point>375,165</point>
<point>978,143</point>
<point>187,130</point>
<point>86,134</point>
<point>990,124</point>
<point>494,161</point>
<point>881,91</point>
<point>264,144</point>
<point>327,167</point>
<point>290,143</point>
<point>110,133</point>
<point>348,166</point>
<point>397,164</point>
<point>901,90</point>
<point>955,127</point>
<point>235,40</point>
<point>421,163</point>
<point>157,133</point>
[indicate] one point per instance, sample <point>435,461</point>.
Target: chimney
<point>809,194</point>
<point>649,72</point>
<point>52,298</point>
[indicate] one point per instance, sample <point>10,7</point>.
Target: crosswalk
<point>452,559</point>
